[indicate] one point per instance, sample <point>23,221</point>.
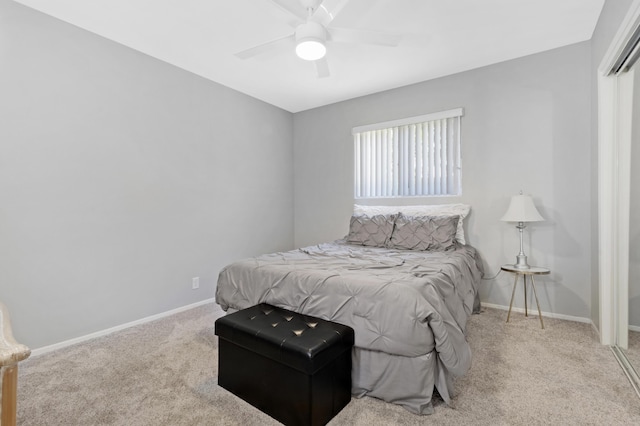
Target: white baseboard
<point>66,343</point>
<point>544,314</point>
<point>60,345</point>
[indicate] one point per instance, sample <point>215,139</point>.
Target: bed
<point>405,281</point>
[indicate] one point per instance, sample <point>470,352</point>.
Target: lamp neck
<point>521,262</point>
<point>521,226</point>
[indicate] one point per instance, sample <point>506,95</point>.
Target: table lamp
<point>521,210</point>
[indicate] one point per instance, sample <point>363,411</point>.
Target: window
<point>416,156</point>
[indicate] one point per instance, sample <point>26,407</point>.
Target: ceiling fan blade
<point>294,8</point>
<point>284,42</point>
<point>328,10</point>
<point>345,35</point>
<point>322,67</point>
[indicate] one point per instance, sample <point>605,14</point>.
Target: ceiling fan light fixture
<point>310,41</point>
<point>311,50</point>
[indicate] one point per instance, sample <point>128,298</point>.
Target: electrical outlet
<point>195,283</point>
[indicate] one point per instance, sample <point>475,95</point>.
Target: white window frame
<point>390,160</point>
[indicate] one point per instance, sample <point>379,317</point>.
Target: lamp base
<point>521,262</point>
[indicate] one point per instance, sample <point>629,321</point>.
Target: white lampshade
<point>522,209</point>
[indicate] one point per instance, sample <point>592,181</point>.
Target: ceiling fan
<point>312,22</point>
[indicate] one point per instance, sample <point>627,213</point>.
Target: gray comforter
<point>400,302</point>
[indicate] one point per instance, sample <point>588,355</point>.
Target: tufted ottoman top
<point>299,341</point>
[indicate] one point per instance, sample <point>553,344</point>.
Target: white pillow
<point>461,210</point>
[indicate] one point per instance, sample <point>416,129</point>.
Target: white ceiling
<point>440,37</point>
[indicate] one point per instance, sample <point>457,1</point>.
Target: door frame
<point>615,112</point>
<point>615,99</point>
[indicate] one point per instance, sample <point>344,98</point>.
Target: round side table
<point>530,272</point>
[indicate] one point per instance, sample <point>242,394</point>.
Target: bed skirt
<point>406,381</point>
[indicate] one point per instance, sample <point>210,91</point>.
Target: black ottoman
<point>293,367</point>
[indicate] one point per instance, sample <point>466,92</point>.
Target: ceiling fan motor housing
<point>310,30</point>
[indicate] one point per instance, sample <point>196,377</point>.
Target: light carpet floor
<point>164,373</point>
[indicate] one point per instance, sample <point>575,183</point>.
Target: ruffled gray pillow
<point>435,233</point>
<point>371,230</point>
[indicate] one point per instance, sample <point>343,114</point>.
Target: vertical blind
<point>416,156</point>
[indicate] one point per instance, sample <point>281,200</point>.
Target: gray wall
<point>122,177</point>
<point>610,19</point>
<point>526,127</point>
